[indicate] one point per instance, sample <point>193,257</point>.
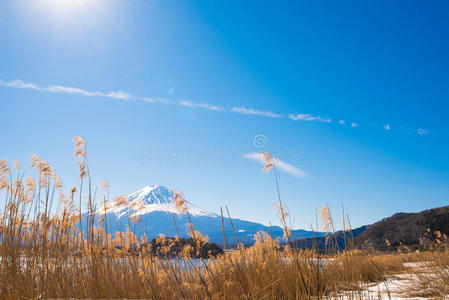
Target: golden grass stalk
<point>47,252</point>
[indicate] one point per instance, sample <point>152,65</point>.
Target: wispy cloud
<point>124,96</point>
<point>250,111</point>
<point>156,100</point>
<point>118,95</point>
<point>192,104</point>
<point>69,90</point>
<point>19,84</point>
<point>309,117</point>
<point>278,163</point>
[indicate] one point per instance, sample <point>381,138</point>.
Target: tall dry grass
<point>51,246</point>
<point>430,271</point>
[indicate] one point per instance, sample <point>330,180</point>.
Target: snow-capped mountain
<point>154,207</point>
<point>155,199</point>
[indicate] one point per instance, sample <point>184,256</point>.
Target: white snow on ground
<point>395,287</point>
<point>416,264</point>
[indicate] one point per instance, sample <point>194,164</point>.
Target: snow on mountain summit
<point>153,206</point>
<point>151,195</point>
<point>155,199</point>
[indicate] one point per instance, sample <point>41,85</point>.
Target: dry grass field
<point>46,253</point>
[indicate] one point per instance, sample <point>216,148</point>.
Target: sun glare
<point>68,17</point>
<point>67,8</point>
<point>63,4</point>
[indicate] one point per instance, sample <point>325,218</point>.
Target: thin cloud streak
<point>156,100</point>
<point>19,84</point>
<point>278,163</point>
<point>119,95</point>
<point>192,104</point>
<point>250,111</point>
<point>59,89</point>
<point>309,117</point>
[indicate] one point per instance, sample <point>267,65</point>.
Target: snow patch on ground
<point>394,287</point>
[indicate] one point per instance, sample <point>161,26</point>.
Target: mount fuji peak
<point>156,213</point>
<point>152,195</point>
<point>156,198</point>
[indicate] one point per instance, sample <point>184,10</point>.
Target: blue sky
<point>352,95</point>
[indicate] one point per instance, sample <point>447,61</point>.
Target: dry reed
<point>51,247</point>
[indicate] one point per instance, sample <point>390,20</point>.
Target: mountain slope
<point>153,205</point>
<point>407,229</point>
<point>338,240</point>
